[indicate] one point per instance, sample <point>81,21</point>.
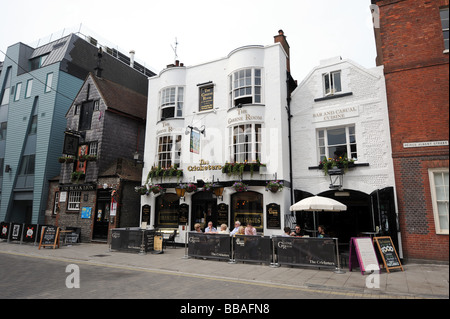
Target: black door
<point>204,209</point>
<point>385,217</point>
<point>102,216</point>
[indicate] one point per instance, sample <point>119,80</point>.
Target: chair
<point>171,239</point>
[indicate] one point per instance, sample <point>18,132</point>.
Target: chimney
<point>132,58</point>
<point>281,38</point>
<point>98,69</point>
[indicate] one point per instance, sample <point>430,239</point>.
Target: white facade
<point>340,109</point>
<point>236,127</point>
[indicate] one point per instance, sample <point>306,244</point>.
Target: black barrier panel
<point>132,239</point>
<point>30,233</point>
<point>16,231</point>
<point>216,246</point>
<point>4,230</point>
<point>252,249</point>
<point>318,252</point>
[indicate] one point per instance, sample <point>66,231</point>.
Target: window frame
<point>331,82</point>
<point>74,201</point>
<point>17,91</point>
<point>166,153</point>
<point>435,200</point>
<point>255,84</point>
<point>166,102</point>
<point>252,147</point>
<point>48,78</point>
<point>350,131</point>
<point>28,88</point>
<point>444,30</point>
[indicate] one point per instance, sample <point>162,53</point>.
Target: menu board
<point>222,214</point>
<point>273,216</point>
<point>183,214</point>
<point>362,247</point>
<point>388,253</point>
<point>49,237</point>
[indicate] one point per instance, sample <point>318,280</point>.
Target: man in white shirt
<point>210,228</point>
<point>237,224</point>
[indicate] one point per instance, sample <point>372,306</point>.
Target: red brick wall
<point>417,84</point>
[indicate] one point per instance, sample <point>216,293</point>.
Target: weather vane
<point>175,49</point>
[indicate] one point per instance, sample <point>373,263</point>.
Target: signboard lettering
<point>206,98</point>
<point>49,237</point>
<point>388,253</point>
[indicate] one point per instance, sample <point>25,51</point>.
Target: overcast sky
<point>205,29</point>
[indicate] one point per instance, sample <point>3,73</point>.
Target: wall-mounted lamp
<point>8,169</point>
<point>180,192</point>
<point>218,191</point>
<point>336,178</point>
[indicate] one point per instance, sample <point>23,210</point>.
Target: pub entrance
<point>204,209</point>
<point>102,215</point>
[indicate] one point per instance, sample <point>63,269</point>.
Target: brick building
<point>412,44</point>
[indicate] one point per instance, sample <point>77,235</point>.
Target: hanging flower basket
<point>191,188</point>
<point>91,158</point>
<point>274,186</point>
<point>156,189</point>
<point>141,190</point>
<point>76,176</point>
<point>240,187</point>
<point>62,159</point>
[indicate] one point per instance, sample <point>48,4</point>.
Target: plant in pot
<point>156,189</point>
<point>274,186</point>
<point>240,187</point>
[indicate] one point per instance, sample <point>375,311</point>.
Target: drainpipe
<point>288,109</point>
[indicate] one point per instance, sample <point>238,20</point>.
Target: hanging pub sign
<point>70,144</point>
<point>273,217</point>
<point>388,253</point>
<point>206,98</point>
<point>195,142</point>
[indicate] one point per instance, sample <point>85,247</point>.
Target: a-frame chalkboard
<point>49,237</point>
<point>388,253</point>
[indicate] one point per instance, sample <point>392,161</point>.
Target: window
<point>6,93</point>
<point>17,93</point>
<point>171,102</point>
<point>169,151</point>
<point>93,148</point>
<point>37,62</point>
<point>48,82</point>
<point>246,87</point>
<point>56,204</point>
<point>3,127</point>
<point>28,164</point>
<point>245,143</point>
<point>337,142</point>
<point>332,83</point>
<point>439,185</point>
<point>86,111</point>
<point>444,21</point>
<point>74,200</point>
<point>28,89</point>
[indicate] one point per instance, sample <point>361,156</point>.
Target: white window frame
<point>246,85</point>
<point>74,200</point>
<point>435,201</point>
<point>323,144</point>
<point>48,82</point>
<point>56,204</point>
<point>247,144</point>
<point>18,90</point>
<point>171,97</point>
<point>168,154</point>
<point>28,88</point>
<point>445,29</point>
<point>331,76</point>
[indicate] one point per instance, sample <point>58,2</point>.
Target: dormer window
<point>332,83</point>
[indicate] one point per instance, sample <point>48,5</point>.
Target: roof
<point>121,99</point>
<point>125,169</point>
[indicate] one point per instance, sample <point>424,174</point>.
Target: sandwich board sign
<point>362,248</point>
<point>49,237</point>
<point>388,253</point>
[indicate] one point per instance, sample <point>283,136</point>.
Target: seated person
<point>287,232</point>
<point>224,229</point>
<point>250,230</point>
<point>298,232</point>
<point>237,224</point>
<point>210,229</point>
<point>241,231</point>
<point>197,228</point>
<point>321,232</point>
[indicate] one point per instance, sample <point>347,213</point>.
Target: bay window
<point>171,102</point>
<point>245,143</point>
<point>169,151</point>
<point>246,87</point>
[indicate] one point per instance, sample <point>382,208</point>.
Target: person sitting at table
<point>250,230</point>
<point>241,231</point>
<point>321,232</point>
<point>287,232</point>
<point>210,229</point>
<point>298,232</point>
<point>237,224</point>
<point>197,228</point>
<point>224,229</point>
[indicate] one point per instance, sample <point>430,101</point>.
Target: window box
<point>240,168</point>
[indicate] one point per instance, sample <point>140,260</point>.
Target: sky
<point>205,30</point>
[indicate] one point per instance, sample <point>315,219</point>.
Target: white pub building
<point>217,134</point>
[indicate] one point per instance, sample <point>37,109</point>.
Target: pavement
<point>417,281</point>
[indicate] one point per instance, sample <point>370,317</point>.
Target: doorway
<point>204,209</point>
<point>102,215</point>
